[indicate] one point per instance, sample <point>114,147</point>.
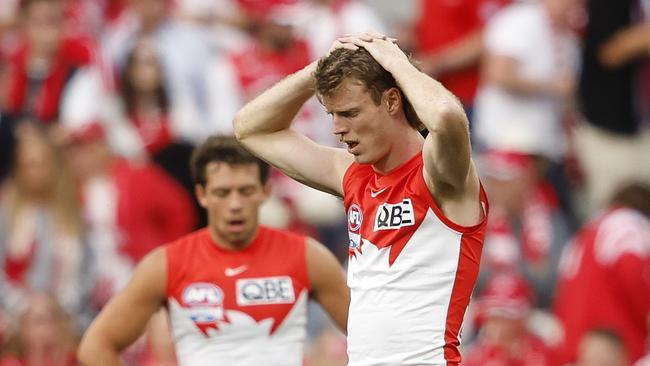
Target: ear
<point>392,98</point>
<point>199,191</point>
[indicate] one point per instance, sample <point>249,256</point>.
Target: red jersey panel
<point>243,307</point>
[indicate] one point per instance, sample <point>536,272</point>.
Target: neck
<point>408,146</point>
<point>234,245</point>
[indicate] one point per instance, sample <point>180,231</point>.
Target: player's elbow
<point>85,352</point>
<point>91,350</point>
<point>239,126</point>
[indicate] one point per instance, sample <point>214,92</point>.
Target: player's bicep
<point>327,280</point>
<point>318,166</point>
<point>447,158</point>
<point>125,317</point>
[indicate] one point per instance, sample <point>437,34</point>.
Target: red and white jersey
<point>411,270</point>
<point>243,307</point>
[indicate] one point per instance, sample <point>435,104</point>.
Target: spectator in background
<point>528,78</point>
<point>503,339</point>
<point>449,42</point>
<point>39,69</point>
<point>601,347</point>
<point>148,108</point>
<point>320,22</point>
<point>130,208</point>
<point>614,93</point>
<point>45,336</point>
<point>42,241</point>
<point>527,229</point>
<point>273,52</point>
<point>605,275</point>
<point>183,57</point>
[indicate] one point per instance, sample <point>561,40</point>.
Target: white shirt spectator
<point>527,123</point>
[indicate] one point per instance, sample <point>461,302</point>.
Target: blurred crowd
<point>102,102</point>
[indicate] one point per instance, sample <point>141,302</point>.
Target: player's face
<point>360,123</point>
<point>232,196</point>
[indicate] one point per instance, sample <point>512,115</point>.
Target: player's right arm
<point>263,126</point>
<point>125,317</point>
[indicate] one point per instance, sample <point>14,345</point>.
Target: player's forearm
<point>275,109</point>
<point>436,106</point>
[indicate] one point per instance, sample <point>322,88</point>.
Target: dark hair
<point>634,195</point>
<point>128,91</point>
<point>223,149</point>
<point>344,63</point>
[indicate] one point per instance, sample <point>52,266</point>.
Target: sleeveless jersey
<point>243,307</point>
<point>411,270</point>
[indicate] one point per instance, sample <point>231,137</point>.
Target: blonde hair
<point>63,197</point>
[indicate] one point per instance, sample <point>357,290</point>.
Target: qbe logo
<point>265,291</point>
<point>393,216</point>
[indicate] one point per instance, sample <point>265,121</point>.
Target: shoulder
<point>188,241</point>
<point>280,234</point>
<point>152,269</point>
<point>622,231</point>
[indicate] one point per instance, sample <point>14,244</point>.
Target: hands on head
<point>381,47</point>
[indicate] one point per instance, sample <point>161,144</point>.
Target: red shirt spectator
<point>441,25</point>
<point>501,313</point>
<point>605,280</point>
<point>39,96</point>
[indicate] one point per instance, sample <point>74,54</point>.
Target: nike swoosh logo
<point>230,272</point>
<point>375,194</point>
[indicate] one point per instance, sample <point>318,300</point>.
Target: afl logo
<point>355,217</point>
<point>202,294</point>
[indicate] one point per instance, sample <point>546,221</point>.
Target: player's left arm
<point>327,282</point>
<point>448,168</point>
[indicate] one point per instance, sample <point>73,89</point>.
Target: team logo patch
<point>393,216</point>
<point>204,301</point>
<point>265,291</point>
<point>355,217</point>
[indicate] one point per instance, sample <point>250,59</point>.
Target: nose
<point>236,202</point>
<point>340,128</point>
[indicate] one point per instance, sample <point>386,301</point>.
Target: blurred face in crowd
<point>150,12</point>
<point>232,195</point>
<point>598,350</point>
<point>503,331</point>
<point>44,24</point>
<point>145,69</point>
<point>276,35</point>
<point>88,158</point>
<point>35,166</point>
<point>44,325</point>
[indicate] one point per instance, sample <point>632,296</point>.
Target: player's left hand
<point>382,48</point>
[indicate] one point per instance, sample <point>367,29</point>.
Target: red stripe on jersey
<point>469,260</point>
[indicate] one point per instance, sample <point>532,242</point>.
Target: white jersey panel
<point>240,340</point>
<point>411,297</point>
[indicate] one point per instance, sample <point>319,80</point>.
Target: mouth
<point>351,145</point>
<point>236,225</point>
